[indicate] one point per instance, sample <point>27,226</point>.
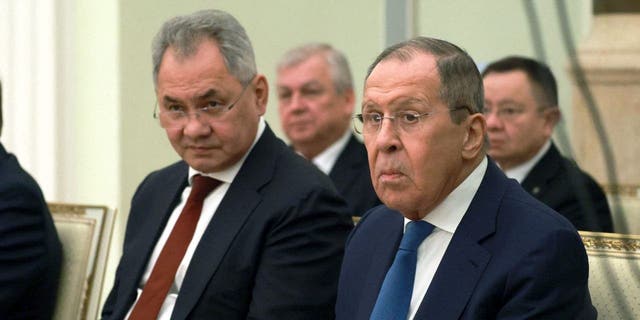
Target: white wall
<point>492,29</point>
<point>108,140</point>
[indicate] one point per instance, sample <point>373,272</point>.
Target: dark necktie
<point>164,271</point>
<point>395,295</point>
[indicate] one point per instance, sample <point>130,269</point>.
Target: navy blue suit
<point>350,175</point>
<point>272,250</point>
<point>30,251</point>
<point>511,257</point>
<point>560,184</point>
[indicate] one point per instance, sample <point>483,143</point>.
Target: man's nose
<point>493,121</point>
<point>196,125</point>
<point>387,138</point>
<point>297,103</point>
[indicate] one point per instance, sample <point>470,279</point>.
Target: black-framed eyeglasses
<point>178,117</point>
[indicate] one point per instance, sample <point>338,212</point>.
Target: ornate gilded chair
<point>85,233</point>
<point>614,273</point>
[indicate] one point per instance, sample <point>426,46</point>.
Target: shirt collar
<point>448,214</point>
<point>521,171</point>
<point>227,175</point>
<point>327,158</point>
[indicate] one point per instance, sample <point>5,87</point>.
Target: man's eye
<point>509,111</point>
<point>211,106</point>
<point>409,117</point>
<point>311,92</point>
<point>174,108</point>
<point>373,118</point>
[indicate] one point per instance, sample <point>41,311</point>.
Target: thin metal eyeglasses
<point>407,121</point>
<point>171,119</point>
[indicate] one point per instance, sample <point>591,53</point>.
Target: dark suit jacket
<point>511,257</point>
<point>350,175</point>
<point>30,251</point>
<point>272,250</point>
<point>560,184</point>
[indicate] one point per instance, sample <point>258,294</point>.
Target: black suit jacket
<point>30,251</point>
<point>272,250</point>
<point>559,183</point>
<point>350,175</point>
<point>511,257</point>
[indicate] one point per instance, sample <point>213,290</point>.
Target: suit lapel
<point>538,178</point>
<point>237,205</point>
<point>155,217</point>
<point>342,173</point>
<point>465,259</point>
<point>389,227</point>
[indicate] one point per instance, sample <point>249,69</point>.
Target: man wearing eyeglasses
<point>316,101</point>
<point>521,108</point>
<point>242,227</point>
<point>455,239</point>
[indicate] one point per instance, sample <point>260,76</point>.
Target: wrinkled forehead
<point>394,79</point>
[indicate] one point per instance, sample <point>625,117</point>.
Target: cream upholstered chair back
<point>85,233</point>
<point>614,273</point>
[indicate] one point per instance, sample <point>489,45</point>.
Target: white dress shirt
<point>327,158</point>
<point>445,217</point>
<point>209,207</point>
<point>521,171</point>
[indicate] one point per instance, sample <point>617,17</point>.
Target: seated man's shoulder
<point>519,211</point>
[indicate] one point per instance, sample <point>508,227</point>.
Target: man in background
<point>521,108</point>
<point>30,251</point>
<point>241,227</point>
<point>455,239</point>
<point>316,101</point>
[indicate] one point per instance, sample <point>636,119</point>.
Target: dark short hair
<point>460,80</point>
<point>538,73</point>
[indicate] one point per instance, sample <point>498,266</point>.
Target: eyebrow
<point>210,93</point>
<point>509,102</point>
<point>398,103</point>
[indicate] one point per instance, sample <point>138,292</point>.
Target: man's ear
<point>261,89</point>
<point>347,98</point>
<point>551,117</point>
<point>473,143</point>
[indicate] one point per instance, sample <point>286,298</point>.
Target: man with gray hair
<point>455,239</point>
<point>241,227</point>
<point>316,101</point>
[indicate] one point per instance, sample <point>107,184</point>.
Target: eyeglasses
<point>407,121</point>
<point>176,117</point>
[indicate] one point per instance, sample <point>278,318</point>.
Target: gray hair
<point>185,33</point>
<point>338,65</point>
<point>460,80</point>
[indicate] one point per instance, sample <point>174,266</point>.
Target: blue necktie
<point>395,295</point>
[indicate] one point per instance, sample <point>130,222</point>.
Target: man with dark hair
<point>30,251</point>
<point>521,108</point>
<point>455,239</point>
<point>241,227</point>
<point>316,101</point>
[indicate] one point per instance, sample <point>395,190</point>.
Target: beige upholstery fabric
<point>85,233</point>
<point>614,274</point>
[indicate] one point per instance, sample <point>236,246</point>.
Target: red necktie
<point>164,271</point>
